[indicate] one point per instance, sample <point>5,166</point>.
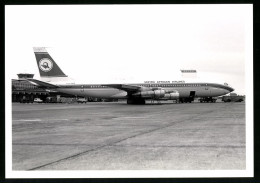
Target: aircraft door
<point>192,94</point>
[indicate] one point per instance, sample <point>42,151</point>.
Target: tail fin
<point>46,65</point>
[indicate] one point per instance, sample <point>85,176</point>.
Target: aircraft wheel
<point>129,101</point>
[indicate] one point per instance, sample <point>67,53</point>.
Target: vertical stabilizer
<point>46,65</point>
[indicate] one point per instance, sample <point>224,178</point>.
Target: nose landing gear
<point>207,99</point>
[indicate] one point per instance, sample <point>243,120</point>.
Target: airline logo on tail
<point>45,64</point>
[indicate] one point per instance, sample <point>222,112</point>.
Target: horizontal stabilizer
<point>41,83</point>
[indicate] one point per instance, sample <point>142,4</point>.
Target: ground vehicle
<point>82,100</point>
<point>207,99</point>
<point>37,100</point>
<point>233,97</point>
<point>26,99</point>
<point>53,99</point>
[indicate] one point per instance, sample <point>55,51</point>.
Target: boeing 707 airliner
<point>135,93</point>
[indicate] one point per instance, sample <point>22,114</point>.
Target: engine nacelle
<point>171,96</point>
<point>150,94</point>
<point>159,93</point>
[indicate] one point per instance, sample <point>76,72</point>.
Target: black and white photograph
<point>123,91</point>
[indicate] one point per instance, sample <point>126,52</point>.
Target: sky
<point>132,43</point>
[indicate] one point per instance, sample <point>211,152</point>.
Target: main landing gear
<point>186,100</point>
<point>207,99</point>
<point>136,101</point>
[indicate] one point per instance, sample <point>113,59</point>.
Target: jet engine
<point>172,96</point>
<point>150,94</point>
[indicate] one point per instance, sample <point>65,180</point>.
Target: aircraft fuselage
<point>184,89</point>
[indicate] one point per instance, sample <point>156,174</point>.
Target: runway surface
<point>117,136</point>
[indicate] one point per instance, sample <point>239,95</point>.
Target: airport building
<point>25,92</point>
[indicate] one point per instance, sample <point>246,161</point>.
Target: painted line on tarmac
<point>131,117</point>
<point>27,120</point>
<point>41,120</point>
<point>141,146</point>
<point>48,144</point>
<point>58,119</point>
<point>181,146</point>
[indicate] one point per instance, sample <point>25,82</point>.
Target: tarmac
<point>117,136</point>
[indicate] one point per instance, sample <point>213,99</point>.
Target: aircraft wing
<point>41,83</point>
<point>127,88</point>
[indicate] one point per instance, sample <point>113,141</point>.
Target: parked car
<point>37,100</point>
<point>82,100</point>
<point>233,97</point>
